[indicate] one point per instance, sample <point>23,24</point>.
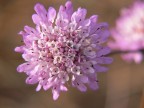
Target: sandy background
<point>121,87</point>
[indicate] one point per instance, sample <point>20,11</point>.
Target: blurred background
<point>121,87</point>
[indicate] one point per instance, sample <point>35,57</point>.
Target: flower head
<point>129,32</point>
<point>64,47</point>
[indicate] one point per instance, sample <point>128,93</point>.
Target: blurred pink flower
<point>63,47</point>
<point>129,32</point>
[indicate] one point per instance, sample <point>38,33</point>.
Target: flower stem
<point>114,52</point>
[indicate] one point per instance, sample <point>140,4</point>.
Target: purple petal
<point>41,11</point>
<point>55,92</point>
<point>61,22</point>
<point>47,86</point>
<point>93,85</point>
<point>29,30</point>
<point>36,19</point>
<point>38,87</point>
<point>103,51</point>
<point>93,19</point>
<point>104,60</point>
<point>83,78</point>
<point>85,23</point>
<point>19,49</point>
<point>94,38</point>
<point>99,28</point>
<point>51,14</point>
<point>69,8</point>
<point>79,15</point>
<point>25,67</point>
<point>99,68</point>
<point>103,35</point>
<point>63,88</point>
<point>23,33</point>
<point>77,83</point>
<point>27,57</point>
<point>81,87</point>
<point>22,67</point>
<point>32,79</point>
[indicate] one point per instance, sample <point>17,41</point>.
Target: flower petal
<point>103,51</point>
<point>104,60</point>
<point>38,87</point>
<point>79,15</point>
<point>69,8</point>
<point>63,88</point>
<point>51,14</point>
<point>99,68</point>
<point>19,49</point>
<point>41,11</point>
<point>55,92</point>
<point>24,67</point>
<point>100,28</point>
<point>36,19</point>
<point>32,79</point>
<point>93,85</point>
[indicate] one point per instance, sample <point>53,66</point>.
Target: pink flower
<point>63,47</point>
<point>129,32</point>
